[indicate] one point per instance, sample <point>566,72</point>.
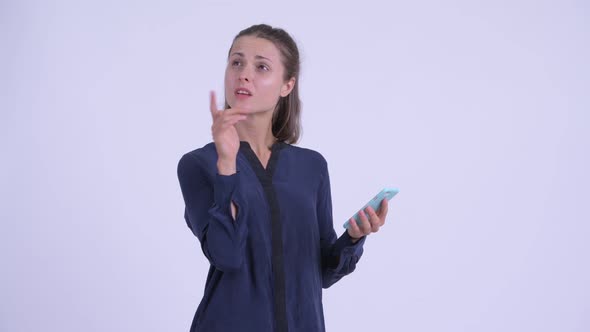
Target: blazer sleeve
<point>208,213</point>
<point>339,255</point>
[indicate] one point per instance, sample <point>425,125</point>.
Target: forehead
<point>251,46</point>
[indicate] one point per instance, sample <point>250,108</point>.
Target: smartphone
<point>374,203</point>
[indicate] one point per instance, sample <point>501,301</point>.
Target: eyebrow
<point>256,56</point>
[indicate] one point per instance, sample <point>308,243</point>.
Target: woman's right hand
<point>225,136</point>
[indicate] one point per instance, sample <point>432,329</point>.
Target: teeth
<point>243,92</point>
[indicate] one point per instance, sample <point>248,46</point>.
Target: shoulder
<point>204,157</point>
<point>203,153</point>
<point>307,156</point>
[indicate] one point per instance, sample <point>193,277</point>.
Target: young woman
<point>260,206</point>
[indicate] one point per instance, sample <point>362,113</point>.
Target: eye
<point>236,63</point>
<point>263,67</point>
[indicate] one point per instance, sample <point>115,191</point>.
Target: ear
<point>288,87</point>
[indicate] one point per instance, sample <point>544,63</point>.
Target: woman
<point>260,206</point>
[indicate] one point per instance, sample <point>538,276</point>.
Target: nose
<point>245,74</point>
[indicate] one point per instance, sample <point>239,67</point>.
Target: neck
<point>257,131</point>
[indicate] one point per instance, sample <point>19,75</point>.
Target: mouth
<point>242,92</point>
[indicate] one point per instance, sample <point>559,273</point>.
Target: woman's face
<point>254,75</point>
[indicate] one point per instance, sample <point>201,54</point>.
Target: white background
<point>477,111</point>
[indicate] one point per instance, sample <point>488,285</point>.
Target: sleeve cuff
<point>224,188</point>
<point>345,247</point>
<point>345,250</point>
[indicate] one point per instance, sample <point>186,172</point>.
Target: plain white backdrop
<point>477,110</point>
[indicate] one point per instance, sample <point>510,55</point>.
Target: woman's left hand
<point>369,224</point>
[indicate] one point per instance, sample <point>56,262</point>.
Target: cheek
<point>271,86</point>
<point>227,77</point>
<point>228,84</point>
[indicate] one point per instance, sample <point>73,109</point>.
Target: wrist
<point>226,167</point>
<point>353,239</point>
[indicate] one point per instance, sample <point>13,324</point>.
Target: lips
<point>242,92</point>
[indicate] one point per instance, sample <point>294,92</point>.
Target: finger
<point>213,104</point>
<point>353,228</point>
<point>370,212</point>
<point>232,111</point>
<point>383,210</point>
<point>226,126</point>
<point>225,122</point>
<point>373,219</point>
<point>231,118</point>
<point>365,224</point>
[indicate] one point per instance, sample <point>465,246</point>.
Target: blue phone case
<point>374,203</point>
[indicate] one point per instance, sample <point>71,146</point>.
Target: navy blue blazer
<point>269,265</point>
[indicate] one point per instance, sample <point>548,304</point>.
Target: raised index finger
<point>213,105</point>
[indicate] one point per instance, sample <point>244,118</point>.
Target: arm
<point>339,255</point>
<point>208,213</point>
<point>228,168</point>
